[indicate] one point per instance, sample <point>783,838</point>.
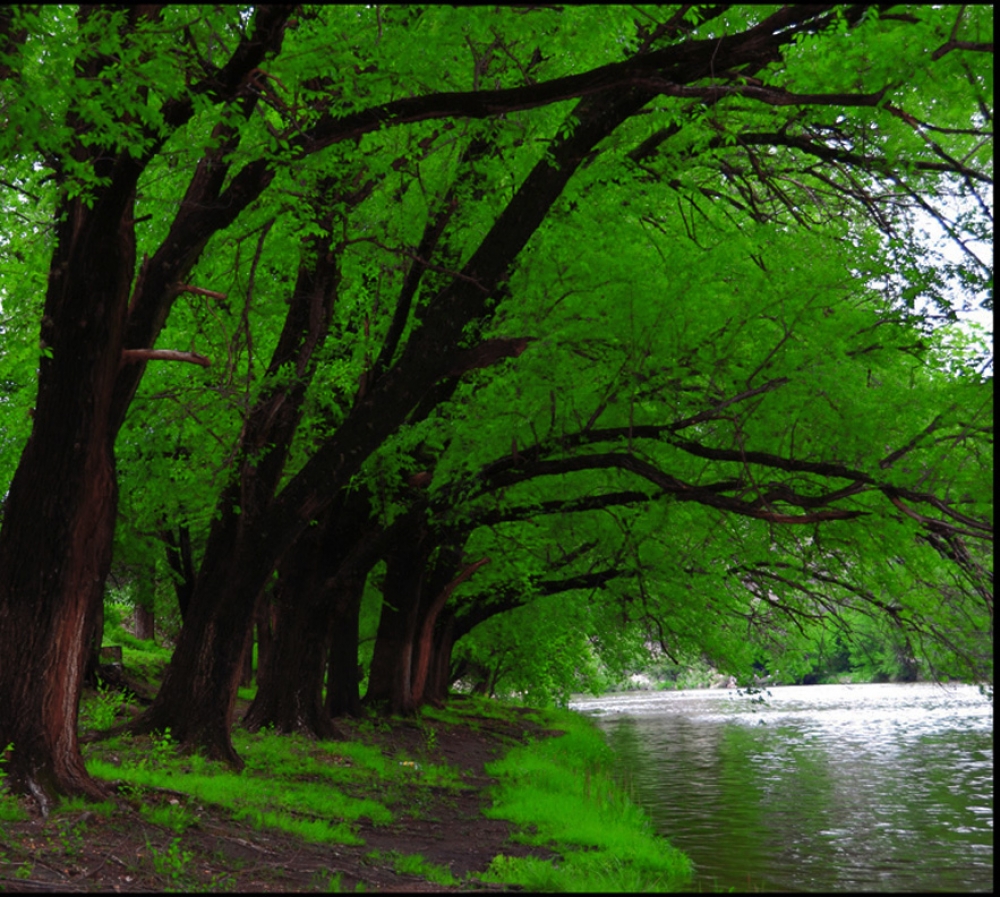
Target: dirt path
<point>82,850</point>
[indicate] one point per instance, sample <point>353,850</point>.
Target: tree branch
<point>130,356</point>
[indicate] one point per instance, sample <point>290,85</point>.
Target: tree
<point>793,119</point>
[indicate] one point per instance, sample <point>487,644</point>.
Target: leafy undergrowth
<point>401,804</point>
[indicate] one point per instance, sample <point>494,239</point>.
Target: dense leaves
<point>602,327</point>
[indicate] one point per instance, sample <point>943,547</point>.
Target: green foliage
<point>560,790</point>
<point>753,285</point>
<point>414,864</point>
<point>10,808</point>
<point>105,708</point>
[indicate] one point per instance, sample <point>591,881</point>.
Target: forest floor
<point>434,836</point>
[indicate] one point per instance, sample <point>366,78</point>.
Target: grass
<point>559,791</point>
<point>414,864</point>
<point>281,787</point>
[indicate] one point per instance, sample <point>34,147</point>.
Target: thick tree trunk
<point>59,516</point>
<point>264,623</point>
<point>196,700</point>
<point>439,676</point>
<point>246,664</point>
<point>389,679</point>
<point>290,696</point>
<point>318,592</point>
<point>342,696</point>
<point>430,610</point>
<point>292,700</point>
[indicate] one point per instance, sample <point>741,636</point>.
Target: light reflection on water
<point>826,787</point>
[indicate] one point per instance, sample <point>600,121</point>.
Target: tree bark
<point>389,678</point>
<point>198,692</point>
<point>290,697</point>
<point>144,622</point>
<point>430,610</point>
<point>440,674</point>
<point>342,696</point>
<point>58,523</point>
<point>181,561</point>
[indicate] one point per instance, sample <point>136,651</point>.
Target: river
<point>823,787</point>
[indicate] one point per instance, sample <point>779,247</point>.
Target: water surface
<point>825,787</point>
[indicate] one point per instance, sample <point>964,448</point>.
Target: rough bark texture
<point>145,622</point>
<point>389,677</point>
<point>440,677</point>
<point>59,516</point>
<point>430,610</point>
<point>58,524</point>
<point>290,695</point>
<point>198,693</point>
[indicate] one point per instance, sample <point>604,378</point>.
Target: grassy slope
<point>557,790</point>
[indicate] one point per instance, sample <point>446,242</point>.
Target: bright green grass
<point>289,782</point>
<point>415,864</point>
<point>560,789</point>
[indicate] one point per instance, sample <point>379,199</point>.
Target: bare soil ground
<point>82,850</point>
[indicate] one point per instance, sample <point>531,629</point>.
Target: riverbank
<point>479,795</point>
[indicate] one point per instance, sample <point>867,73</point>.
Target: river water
<point>823,787</point>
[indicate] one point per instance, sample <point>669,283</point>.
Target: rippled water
<point>826,787</point>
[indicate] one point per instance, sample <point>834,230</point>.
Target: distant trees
<point>625,304</point>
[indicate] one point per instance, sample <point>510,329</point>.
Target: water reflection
<point>865,787</point>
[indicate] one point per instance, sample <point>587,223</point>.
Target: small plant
<point>173,816</point>
<point>331,882</point>
<point>10,809</point>
<point>105,709</point>
<point>24,871</point>
<point>162,746</point>
<point>172,862</point>
<point>161,751</point>
<point>413,864</point>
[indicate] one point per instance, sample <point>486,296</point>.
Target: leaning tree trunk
<point>197,697</point>
<point>430,609</point>
<point>315,594</point>
<point>199,688</point>
<point>439,677</point>
<point>59,517</point>
<point>290,692</point>
<point>389,679</point>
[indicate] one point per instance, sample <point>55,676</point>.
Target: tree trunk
<point>181,562</point>
<point>389,679</point>
<point>59,516</point>
<point>439,676</point>
<point>196,700</point>
<point>429,612</point>
<point>145,621</point>
<point>342,697</point>
<point>264,622</point>
<point>246,664</point>
<point>292,700</point>
<point>290,697</point>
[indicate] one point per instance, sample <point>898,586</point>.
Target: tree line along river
<point>822,787</point>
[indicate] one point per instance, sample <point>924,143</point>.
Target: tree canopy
<point>543,332</point>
